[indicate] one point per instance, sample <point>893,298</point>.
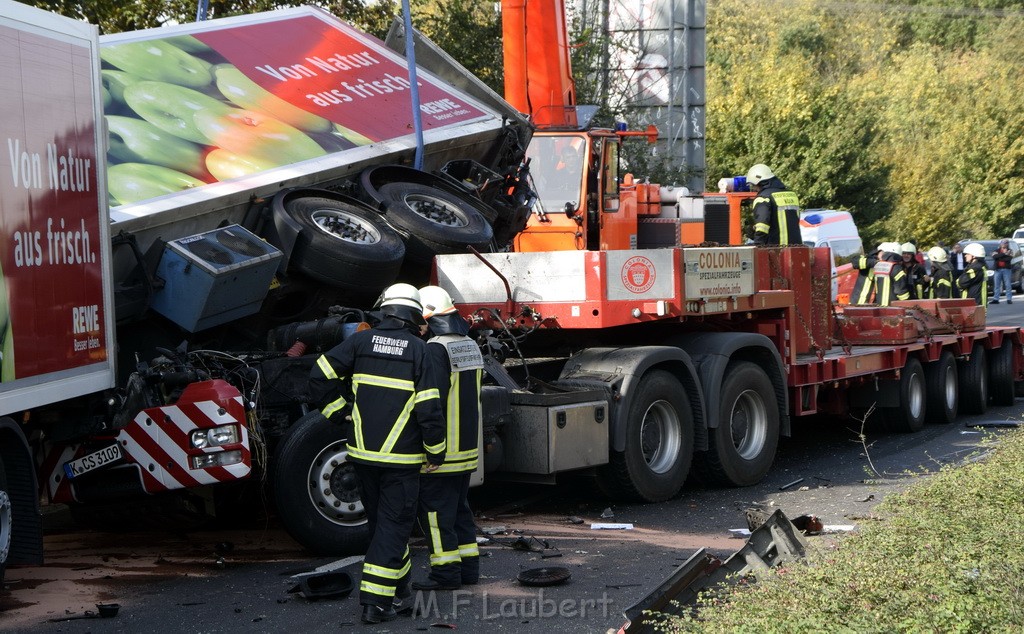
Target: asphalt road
<point>185,583</point>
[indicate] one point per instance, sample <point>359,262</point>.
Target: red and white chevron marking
<point>157,440</point>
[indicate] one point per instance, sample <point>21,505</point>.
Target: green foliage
<point>945,558</point>
<point>469,31</point>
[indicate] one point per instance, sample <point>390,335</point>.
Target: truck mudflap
<point>201,439</point>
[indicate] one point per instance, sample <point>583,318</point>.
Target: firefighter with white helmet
<point>940,284</point>
<point>973,282</point>
<point>444,512</point>
<point>915,272</point>
<point>891,281</point>
<point>776,209</point>
<point>864,288</point>
<point>397,428</point>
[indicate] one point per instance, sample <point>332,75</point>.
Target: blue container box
<point>214,277</point>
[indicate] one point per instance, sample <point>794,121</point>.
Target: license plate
<point>95,460</point>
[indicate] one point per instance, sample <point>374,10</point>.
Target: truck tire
<point>659,443</point>
<point>941,386</point>
<point>742,448</point>
<point>344,245</point>
<point>1000,372</point>
<point>6,522</point>
<point>908,416</point>
<point>433,221</point>
<point>315,489</point>
<point>973,375</point>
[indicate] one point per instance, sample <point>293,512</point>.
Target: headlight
<point>214,436</point>
<point>219,459</point>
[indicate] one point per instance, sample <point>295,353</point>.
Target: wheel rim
<point>436,210</point>
<point>950,385</point>
<point>347,227</point>
<point>6,523</point>
<point>660,436</point>
<point>915,396</point>
<point>748,425</point>
<point>333,488</point>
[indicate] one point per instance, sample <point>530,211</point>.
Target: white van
<point>1018,234</point>
<point>836,230</point>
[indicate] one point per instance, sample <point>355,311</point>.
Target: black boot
<point>430,584</point>
<point>377,614</point>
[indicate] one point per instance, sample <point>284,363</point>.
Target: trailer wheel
<point>974,381</point>
<point>316,491</point>
<point>941,386</point>
<point>659,443</point>
<point>908,416</point>
<point>344,245</point>
<point>742,448</point>
<point>1001,374</point>
<point>433,221</point>
<point>6,522</point>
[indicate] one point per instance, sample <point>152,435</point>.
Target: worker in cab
<point>891,281</point>
<point>973,282</point>
<point>397,431</point>
<point>864,288</point>
<point>444,513</point>
<point>776,209</point>
<point>913,269</point>
<point>940,282</point>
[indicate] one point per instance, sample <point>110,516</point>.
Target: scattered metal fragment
<point>550,555</point>
<point>607,513</point>
<point>612,527</point>
<point>572,519</point>
<point>494,530</point>
<point>794,482</point>
<point>547,576</point>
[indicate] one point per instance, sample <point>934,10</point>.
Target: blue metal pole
<point>201,10</point>
<point>414,91</point>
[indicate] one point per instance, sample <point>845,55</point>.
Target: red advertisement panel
<point>232,100</point>
<point>51,291</point>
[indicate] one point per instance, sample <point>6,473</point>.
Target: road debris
<point>322,585</point>
<point>494,530</point>
<point>793,483</point>
<point>572,519</point>
<point>543,577</point>
<point>598,526</point>
<point>607,513</point>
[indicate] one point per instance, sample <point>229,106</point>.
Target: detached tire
<point>908,416</point>
<point>742,448</point>
<point>344,245</point>
<point>1000,369</point>
<point>433,221</point>
<point>974,381</point>
<point>942,388</point>
<point>316,491</point>
<point>659,443</point>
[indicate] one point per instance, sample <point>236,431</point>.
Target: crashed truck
<point>178,206</point>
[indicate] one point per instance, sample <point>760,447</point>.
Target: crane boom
<point>538,73</point>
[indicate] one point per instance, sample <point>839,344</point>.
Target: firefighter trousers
<point>389,497</point>
<point>447,522</point>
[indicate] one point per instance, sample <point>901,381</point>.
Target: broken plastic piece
<point>323,585</point>
<point>607,513</point>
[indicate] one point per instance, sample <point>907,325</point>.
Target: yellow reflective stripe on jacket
<point>426,395</point>
<point>469,550</point>
<point>453,416</point>
<point>374,588</point>
<point>438,448</point>
<point>334,407</point>
<point>397,428</point>
<point>761,227</point>
<point>383,381</point>
<point>393,458</point>
<point>452,467</point>
<point>784,201</point>
<point>325,366</point>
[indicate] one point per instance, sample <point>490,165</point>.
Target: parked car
<point>1017,264</point>
<point>837,230</point>
<point>1018,233</point>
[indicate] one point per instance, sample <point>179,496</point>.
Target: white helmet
<point>975,249</point>
<point>436,301</point>
<point>889,247</point>
<point>908,247</point>
<point>937,254</point>
<point>759,173</point>
<point>402,301</point>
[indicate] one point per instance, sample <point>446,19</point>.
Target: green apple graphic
<point>352,135</point>
<point>138,141</point>
<point>116,81</point>
<point>172,108</point>
<point>254,134</point>
<point>188,43</point>
<point>132,182</point>
<point>225,165</point>
<point>158,61</point>
<point>246,93</point>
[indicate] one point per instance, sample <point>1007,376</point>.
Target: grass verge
<point>947,556</point>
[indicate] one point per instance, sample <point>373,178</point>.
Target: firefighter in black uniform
<point>973,281</point>
<point>940,284</point>
<point>914,270</point>
<point>864,288</point>
<point>776,209</point>
<point>891,281</point>
<point>397,426</point>
<point>444,514</point>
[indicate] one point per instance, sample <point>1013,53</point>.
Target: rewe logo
<point>638,274</point>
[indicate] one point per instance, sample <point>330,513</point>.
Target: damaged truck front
<point>184,203</point>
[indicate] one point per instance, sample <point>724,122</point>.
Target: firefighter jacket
<point>891,281</point>
<point>941,286</point>
<point>915,278</point>
<point>460,358</point>
<point>776,215</point>
<point>864,288</point>
<point>973,282</point>
<point>396,411</point>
